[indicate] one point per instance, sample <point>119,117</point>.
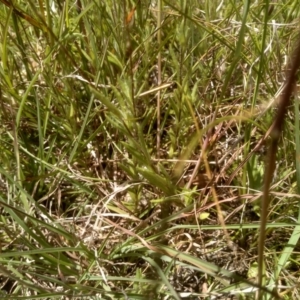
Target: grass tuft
<point>138,157</point>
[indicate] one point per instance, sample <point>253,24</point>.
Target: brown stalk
<point>159,16</point>
<point>275,135</point>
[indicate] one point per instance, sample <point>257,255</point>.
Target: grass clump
<point>134,141</point>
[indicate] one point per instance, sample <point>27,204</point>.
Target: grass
<point>137,156</point>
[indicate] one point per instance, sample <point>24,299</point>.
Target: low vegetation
<point>135,140</point>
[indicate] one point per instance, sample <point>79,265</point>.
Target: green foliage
<point>115,187</point>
